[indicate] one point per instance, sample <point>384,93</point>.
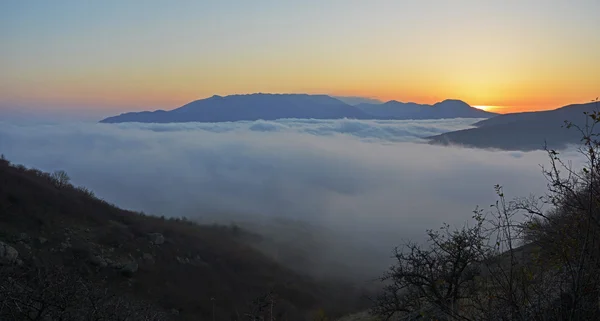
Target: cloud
<point>365,130</point>
<point>367,184</point>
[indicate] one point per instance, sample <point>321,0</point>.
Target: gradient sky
<point>130,55</point>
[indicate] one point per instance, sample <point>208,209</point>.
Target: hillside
<point>522,131</point>
<point>56,238</point>
<point>248,107</point>
<point>449,108</point>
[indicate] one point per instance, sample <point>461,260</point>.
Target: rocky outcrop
<point>65,245</point>
<point>98,261</point>
<point>195,261</point>
<point>129,269</point>
<point>148,258</point>
<point>8,254</point>
<point>156,238</point>
<point>23,237</point>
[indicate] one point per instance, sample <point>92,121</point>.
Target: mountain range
<point>449,108</point>
<point>524,131</point>
<point>517,131</point>
<point>279,106</point>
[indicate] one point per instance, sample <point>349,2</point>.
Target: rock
<point>198,261</point>
<point>65,245</point>
<point>42,240</point>
<point>183,260</point>
<point>148,258</point>
<point>156,238</point>
<point>175,312</point>
<point>115,264</point>
<point>98,261</point>
<point>129,269</point>
<point>23,237</point>
<point>8,254</point>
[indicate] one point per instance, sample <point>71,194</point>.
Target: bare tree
<point>535,258</point>
<point>53,293</point>
<point>261,308</point>
<point>569,233</point>
<point>433,280</point>
<point>61,179</point>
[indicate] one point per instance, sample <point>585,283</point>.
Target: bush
<point>85,191</point>
<point>61,179</point>
<point>53,293</point>
<point>544,268</point>
<point>3,160</point>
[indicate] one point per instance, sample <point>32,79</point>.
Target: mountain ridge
<point>448,108</point>
<point>261,106</point>
<point>523,131</point>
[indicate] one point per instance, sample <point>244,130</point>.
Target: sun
<point>485,108</point>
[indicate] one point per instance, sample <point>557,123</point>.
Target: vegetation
<point>68,255</point>
<point>525,259</point>
<point>81,258</point>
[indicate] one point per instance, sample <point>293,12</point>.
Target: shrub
<point>544,268</point>
<point>61,179</point>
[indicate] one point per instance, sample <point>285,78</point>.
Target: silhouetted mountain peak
<point>452,103</point>
<point>449,108</point>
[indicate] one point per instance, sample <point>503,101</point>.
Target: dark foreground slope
<point>523,131</point>
<point>82,256</point>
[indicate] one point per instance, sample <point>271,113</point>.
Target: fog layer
<point>364,185</point>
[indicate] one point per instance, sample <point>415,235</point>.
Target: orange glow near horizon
<point>152,99</point>
<point>504,56</point>
<point>486,108</point>
<point>132,87</point>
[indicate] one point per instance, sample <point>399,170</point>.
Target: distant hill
<point>278,106</point>
<point>522,131</point>
<point>66,255</point>
<point>357,100</point>
<point>449,108</point>
<point>248,107</point>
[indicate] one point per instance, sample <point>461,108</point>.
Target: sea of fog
<point>364,185</point>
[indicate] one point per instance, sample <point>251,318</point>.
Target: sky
<point>115,56</point>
